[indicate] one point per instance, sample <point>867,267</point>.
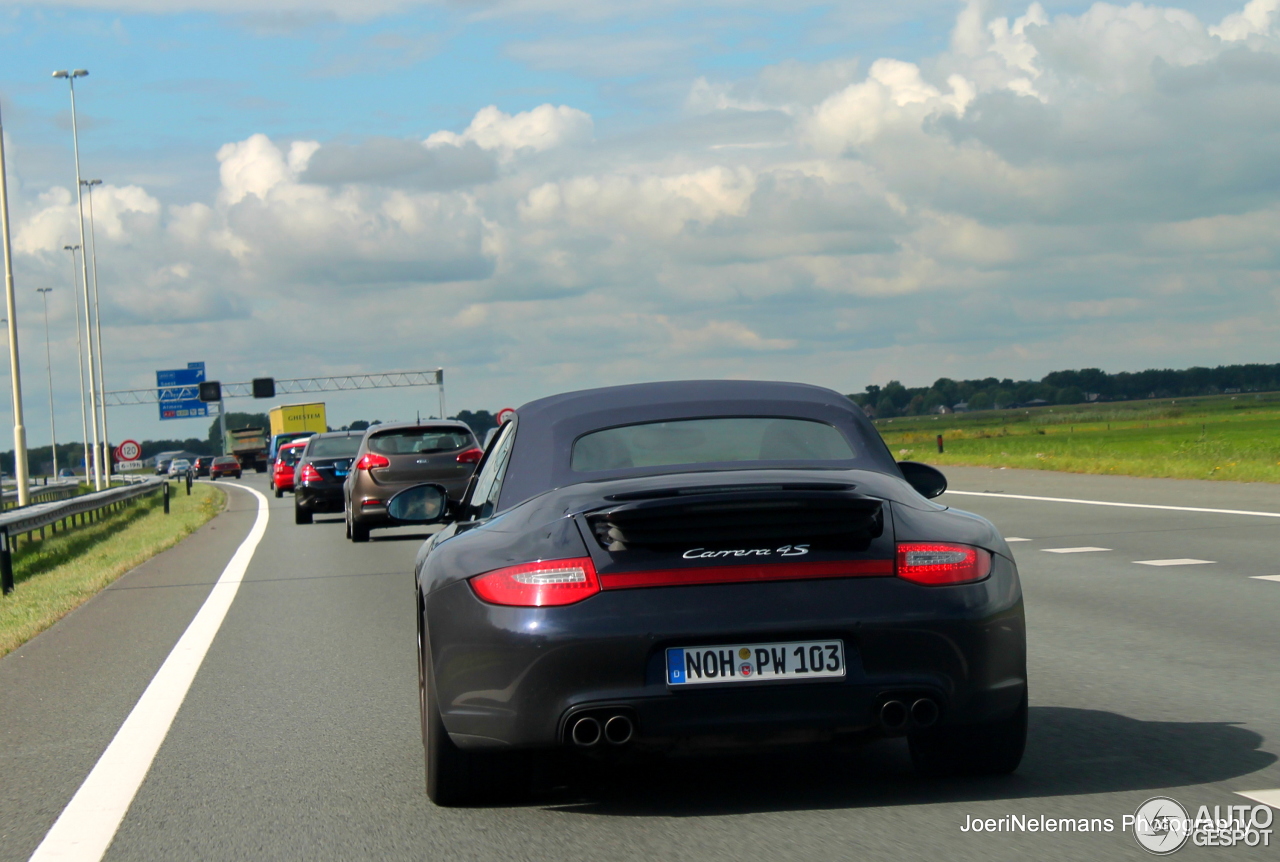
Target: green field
<point>1229,437</point>
<point>56,575</point>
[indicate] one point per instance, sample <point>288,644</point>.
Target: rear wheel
<point>992,748</point>
<point>279,493</point>
<point>456,777</point>
<point>301,515</point>
<point>359,532</point>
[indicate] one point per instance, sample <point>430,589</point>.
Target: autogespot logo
<point>1161,825</point>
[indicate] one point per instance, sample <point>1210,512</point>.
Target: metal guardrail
<point>44,493</point>
<point>50,514</point>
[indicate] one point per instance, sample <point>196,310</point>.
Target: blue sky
<point>550,194</point>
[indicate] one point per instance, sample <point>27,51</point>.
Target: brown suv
<point>394,456</point>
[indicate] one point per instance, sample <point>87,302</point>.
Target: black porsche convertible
<point>664,566</point>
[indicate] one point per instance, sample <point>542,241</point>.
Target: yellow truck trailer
<point>292,421</point>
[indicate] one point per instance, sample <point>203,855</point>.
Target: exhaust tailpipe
<point>893,715</point>
<point>586,732</point>
<point>924,712</point>
<point>618,730</point>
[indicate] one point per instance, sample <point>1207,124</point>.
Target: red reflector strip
<point>745,574</point>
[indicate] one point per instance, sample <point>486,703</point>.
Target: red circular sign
<point>129,450</point>
<point>505,414</point>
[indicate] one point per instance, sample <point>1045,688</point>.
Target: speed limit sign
<point>129,450</point>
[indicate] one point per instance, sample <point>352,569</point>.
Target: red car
<point>282,469</point>
<point>224,465</point>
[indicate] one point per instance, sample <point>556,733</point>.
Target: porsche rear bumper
<point>515,677</point>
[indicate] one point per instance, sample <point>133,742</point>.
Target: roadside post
<point>939,443</point>
<point>188,483</point>
<point>6,564</point>
<point>166,496</point>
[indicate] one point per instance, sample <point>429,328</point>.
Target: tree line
<point>1065,387</point>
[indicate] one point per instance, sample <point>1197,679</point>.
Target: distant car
<point>201,465</point>
<point>320,473</point>
<point>162,466</point>
<point>178,467</point>
<point>282,467</point>
<point>66,473</point>
<point>393,457</point>
<point>225,465</point>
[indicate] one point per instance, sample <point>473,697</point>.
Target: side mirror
<point>927,480</point>
<point>419,504</point>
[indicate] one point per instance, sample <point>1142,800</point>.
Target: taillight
<point>371,460</point>
<point>310,474</point>
<point>937,564</point>
<point>470,456</point>
<point>539,585</point>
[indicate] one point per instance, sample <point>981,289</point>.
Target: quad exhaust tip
<point>585,732</point>
<point>618,730</point>
<point>894,715</point>
<point>924,712</point>
<point>591,730</point>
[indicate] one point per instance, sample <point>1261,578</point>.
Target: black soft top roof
<point>548,427</point>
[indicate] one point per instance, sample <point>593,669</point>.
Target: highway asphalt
<point>298,738</point>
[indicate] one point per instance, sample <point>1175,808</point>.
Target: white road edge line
<point>88,824</point>
<point>1118,505</point>
<point>1266,797</point>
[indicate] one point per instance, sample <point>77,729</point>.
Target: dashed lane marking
<point>1072,550</point>
<point>88,824</point>
<point>1265,577</point>
<point>1117,505</point>
<point>1015,539</point>
<point>1266,797</point>
<point>1186,561</point>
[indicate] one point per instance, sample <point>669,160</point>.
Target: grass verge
<point>1223,437</point>
<point>54,576</point>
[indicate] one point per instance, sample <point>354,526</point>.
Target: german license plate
<point>707,665</point>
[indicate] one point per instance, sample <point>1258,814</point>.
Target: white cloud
<point>1034,194</point>
<point>542,128</point>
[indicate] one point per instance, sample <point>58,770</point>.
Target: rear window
<point>333,447</point>
<point>225,459</point>
<point>414,441</point>
<point>709,441</point>
<point>291,455</point>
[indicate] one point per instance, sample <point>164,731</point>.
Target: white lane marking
<point>1118,505</point>
<point>1266,797</point>
<point>1186,561</point>
<point>1015,539</point>
<point>88,824</point>
<point>1072,550</point>
<point>1265,577</point>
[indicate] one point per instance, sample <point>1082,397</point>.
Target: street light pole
<point>97,325</point>
<point>84,414</point>
<point>48,367</point>
<point>20,473</point>
<point>84,263</point>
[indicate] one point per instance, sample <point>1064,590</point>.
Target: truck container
<point>292,421</point>
<point>249,446</point>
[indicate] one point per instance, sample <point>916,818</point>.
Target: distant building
<point>1036,402</point>
<point>962,407</point>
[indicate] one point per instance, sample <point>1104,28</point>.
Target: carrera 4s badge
<point>784,551</point>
